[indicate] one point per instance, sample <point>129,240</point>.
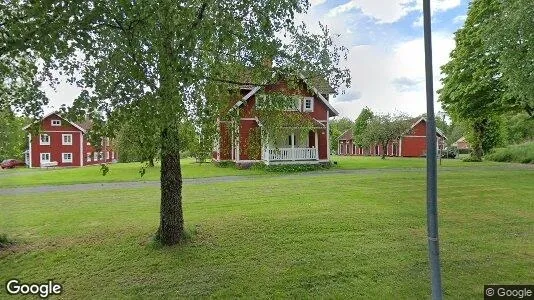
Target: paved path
<point>189,181</point>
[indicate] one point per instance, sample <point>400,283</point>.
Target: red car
<point>11,163</point>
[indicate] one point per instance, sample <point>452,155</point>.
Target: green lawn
<point>375,162</point>
<point>117,173</point>
<point>323,235</point>
<point>130,171</point>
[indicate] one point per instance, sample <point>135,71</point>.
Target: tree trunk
<point>151,162</point>
<point>171,228</point>
<point>384,150</point>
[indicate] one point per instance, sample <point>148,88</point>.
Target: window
<point>45,157</point>
<point>66,157</point>
<point>112,155</point>
<point>308,104</point>
<point>100,156</point>
<point>44,139</point>
<point>66,139</point>
<point>95,156</point>
<point>56,122</point>
<point>107,155</point>
<point>88,157</point>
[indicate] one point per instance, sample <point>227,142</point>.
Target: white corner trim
<point>245,98</point>
<point>30,150</point>
<point>82,153</point>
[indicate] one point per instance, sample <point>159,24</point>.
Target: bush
<point>471,158</point>
<point>522,153</point>
<point>225,164</point>
<point>297,168</point>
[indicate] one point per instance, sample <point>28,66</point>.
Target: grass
<point>375,162</point>
<point>117,173</point>
<point>522,153</point>
<point>323,235</point>
<point>130,171</point>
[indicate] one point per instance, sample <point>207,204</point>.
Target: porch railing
<point>290,154</point>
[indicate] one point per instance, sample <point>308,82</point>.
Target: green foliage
<point>337,128</point>
<point>471,158</point>
<point>384,128</point>
<point>360,126</point>
<point>225,164</point>
<point>472,84</point>
<point>522,153</point>
<point>13,141</point>
<point>518,128</point>
<point>295,168</point>
<point>513,34</point>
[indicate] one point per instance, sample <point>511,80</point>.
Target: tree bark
<point>151,162</point>
<point>384,150</point>
<point>171,228</point>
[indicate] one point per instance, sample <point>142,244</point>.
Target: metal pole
<point>431,162</point>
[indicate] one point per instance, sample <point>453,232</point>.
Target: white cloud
<point>459,19</point>
<point>391,11</point>
<point>317,2</point>
<point>390,80</point>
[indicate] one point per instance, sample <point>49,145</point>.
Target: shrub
<point>471,158</point>
<point>522,153</point>
<point>293,168</point>
<point>225,164</point>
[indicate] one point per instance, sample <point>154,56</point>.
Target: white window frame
<point>55,122</point>
<point>63,139</point>
<point>41,139</point>
<point>310,109</point>
<point>95,156</point>
<point>66,160</point>
<point>89,157</point>
<point>100,155</point>
<point>107,155</point>
<point>44,160</point>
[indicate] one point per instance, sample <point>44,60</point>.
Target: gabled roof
<point>438,131</point>
<point>347,135</point>
<point>312,87</point>
<point>57,114</point>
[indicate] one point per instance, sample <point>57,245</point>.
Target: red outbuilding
<point>63,143</point>
<point>411,144</point>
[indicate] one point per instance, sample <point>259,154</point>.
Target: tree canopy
<point>361,124</point>
<point>162,62</point>
<point>382,129</point>
<point>472,85</point>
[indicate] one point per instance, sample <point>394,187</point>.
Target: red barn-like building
<point>411,144</point>
<point>63,143</point>
<point>292,146</point>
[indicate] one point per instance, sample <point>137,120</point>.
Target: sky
<point>386,52</point>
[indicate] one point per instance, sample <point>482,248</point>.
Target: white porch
<point>294,147</point>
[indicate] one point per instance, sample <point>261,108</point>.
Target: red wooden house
<point>293,146</point>
<point>411,144</point>
<point>63,143</point>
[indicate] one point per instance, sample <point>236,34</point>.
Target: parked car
<point>11,163</point>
